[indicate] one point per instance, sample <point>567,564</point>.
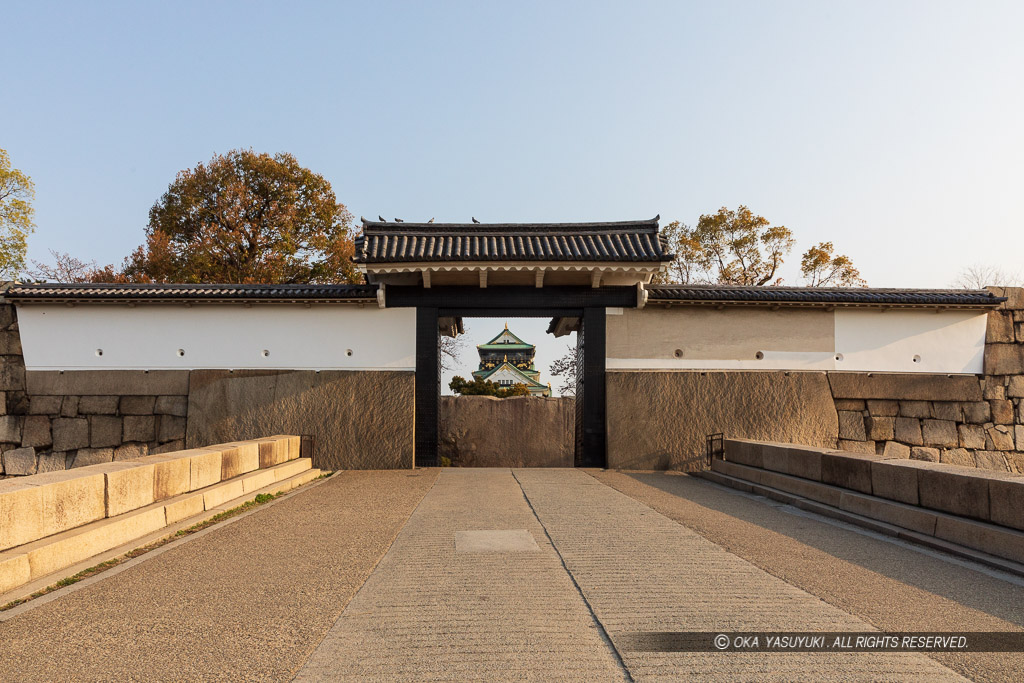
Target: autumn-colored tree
<point>743,248</point>
<point>485,387</point>
<point>245,217</point>
<point>687,266</point>
<point>16,212</point>
<point>821,267</point>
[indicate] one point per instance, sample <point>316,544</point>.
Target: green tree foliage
<point>485,387</point>
<point>822,267</point>
<point>16,213</point>
<point>247,217</point>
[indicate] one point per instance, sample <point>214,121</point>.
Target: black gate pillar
<point>591,449</point>
<point>428,387</point>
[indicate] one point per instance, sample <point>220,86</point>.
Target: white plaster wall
<point>269,336</point>
<point>865,340</point>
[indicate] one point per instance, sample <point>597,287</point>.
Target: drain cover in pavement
<point>495,541</point>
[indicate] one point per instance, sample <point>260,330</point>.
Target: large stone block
<point>941,433</point>
<point>137,405</point>
<point>924,454</point>
<point>107,382</point>
<point>880,428</point>
<point>45,405</point>
<point>171,428</point>
<point>988,538</point>
<point>272,452</point>
<point>206,467</point>
<point>139,428</point>
<point>14,572</point>
<point>10,428</point>
<point>1002,411</point>
<point>1000,328</point>
<point>92,456</point>
<point>848,470</point>
<point>775,456</point>
<point>948,410</point>
<point>36,432</point>
<point>957,456</point>
<point>131,451</point>
<point>896,450</point>
<point>172,474</point>
<point>104,431</point>
<point>70,433</point>
<point>98,405</point>
<point>129,485</point>
<point>12,374</point>
<point>908,387</point>
<point>804,462</point>
<point>884,408</point>
<point>238,458</point>
<point>895,480</point>
<point>977,413</point>
<point>857,446</point>
<point>851,426</point>
<point>1015,388</point>
<point>1006,502</point>
<point>915,408</point>
<point>475,429</point>
<point>659,420</point>
<point>70,499</point>
<point>956,490</point>
<point>218,495</point>
<point>183,508</point>
<point>21,512</point>
<point>999,438</point>
<point>51,462</point>
<point>994,389</point>
<point>992,460</point>
<point>171,405</point>
<point>906,516</point>
<point>1004,359</point>
<point>357,419</point>
<point>69,406</point>
<point>908,430</point>
<point>971,436</point>
<point>110,533</point>
<point>20,461</point>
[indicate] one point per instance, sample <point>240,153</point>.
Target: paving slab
<point>504,610</point>
<point>643,572</point>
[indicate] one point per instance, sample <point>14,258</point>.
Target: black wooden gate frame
<point>586,303</point>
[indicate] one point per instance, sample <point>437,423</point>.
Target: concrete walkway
<point>501,574</point>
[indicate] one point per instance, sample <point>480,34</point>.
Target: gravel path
<point>249,601</point>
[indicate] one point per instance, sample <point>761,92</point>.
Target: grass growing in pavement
<point>104,566</point>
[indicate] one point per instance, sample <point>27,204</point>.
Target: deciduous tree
<point>16,194</point>
<point>741,247</point>
<point>821,267</point>
<point>245,217</point>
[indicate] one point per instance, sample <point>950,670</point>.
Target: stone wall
<point>526,431</point>
<point>357,419</point>
<point>53,421</point>
<point>975,421</point>
<point>659,419</point>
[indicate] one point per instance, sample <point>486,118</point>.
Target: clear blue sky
<point>892,128</point>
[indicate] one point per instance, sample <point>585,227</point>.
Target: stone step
<point>51,556</point>
<point>987,544</point>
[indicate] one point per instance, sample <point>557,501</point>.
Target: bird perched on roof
<point>474,219</point>
<point>381,218</point>
<point>399,220</point>
<point>431,220</point>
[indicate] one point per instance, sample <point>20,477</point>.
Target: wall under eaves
<point>106,382</point>
<point>942,386</point>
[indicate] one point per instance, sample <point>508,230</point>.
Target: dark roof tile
<point>186,292</point>
<point>853,295</point>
